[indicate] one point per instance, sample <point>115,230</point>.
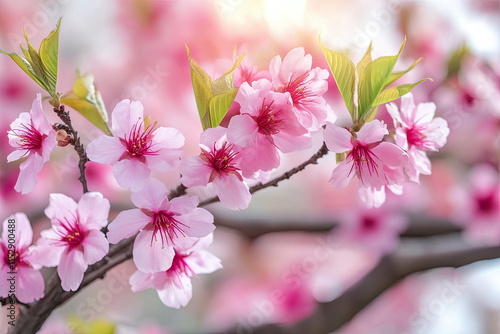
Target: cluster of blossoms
<point>276,113</point>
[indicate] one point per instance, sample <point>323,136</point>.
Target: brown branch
<point>65,117</point>
<point>274,182</point>
<point>433,252</point>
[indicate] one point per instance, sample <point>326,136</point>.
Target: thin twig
<point>65,117</point>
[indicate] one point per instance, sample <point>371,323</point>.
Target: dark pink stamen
<point>31,138</point>
<point>167,227</point>
<point>268,121</point>
<point>221,160</point>
<point>138,142</point>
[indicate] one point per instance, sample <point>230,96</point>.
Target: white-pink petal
<point>199,222</point>
<point>174,296</point>
<point>29,285</point>
<point>93,210</point>
<point>372,132</point>
<point>194,172</point>
<point>71,269</point>
<point>126,224</point>
<point>337,139</point>
<point>131,173</point>
<point>152,196</point>
<point>342,174</point>
<point>125,115</point>
<point>233,193</point>
<point>105,150</point>
<point>150,255</point>
<point>28,173</point>
<point>95,246</point>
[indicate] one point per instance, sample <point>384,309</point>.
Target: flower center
<point>267,121</point>
<point>178,269</point>
<point>486,203</point>
<point>138,142</point>
<point>221,160</point>
<point>30,138</point>
<point>167,227</point>
<point>363,159</point>
<point>299,89</point>
<point>14,257</point>
<point>416,137</point>
<point>369,223</point>
<point>70,232</point>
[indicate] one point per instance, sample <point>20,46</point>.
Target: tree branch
<point>65,117</point>
<point>413,256</point>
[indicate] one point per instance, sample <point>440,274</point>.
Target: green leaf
<point>87,100</point>
<point>396,75</point>
<point>213,97</point>
<point>41,66</point>
<point>361,66</point>
<point>374,79</point>
<point>219,105</point>
<point>343,72</point>
<point>454,63</point>
<point>395,92</point>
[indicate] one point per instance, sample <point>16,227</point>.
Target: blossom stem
<point>79,148</point>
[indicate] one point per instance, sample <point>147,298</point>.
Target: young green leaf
<point>454,63</point>
<point>87,100</point>
<point>396,75</point>
<point>374,79</point>
<point>361,66</point>
<point>41,66</point>
<point>395,92</point>
<point>343,72</point>
<point>213,97</point>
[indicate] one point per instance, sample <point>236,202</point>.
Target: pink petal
<point>199,222</point>
<point>126,224</point>
<point>45,253</point>
<point>391,155</point>
<point>372,132</point>
<point>48,145</point>
<point>210,136</point>
<point>93,210</point>
<point>233,193</point>
<point>425,112</point>
<point>420,161</point>
<point>38,116</point>
<point>29,285</point>
<point>263,155</point>
<point>131,173</point>
<point>16,155</point>
<point>338,140</point>
<point>105,150</point>
<point>203,262</point>
<point>242,130</point>
<point>437,131</point>
<point>176,297</point>
<point>407,109</point>
<point>393,110</point>
<point>194,172</point>
<point>59,207</point>
<point>28,174</point>
<point>125,115</point>
<point>184,205</point>
<point>95,246</point>
<point>71,269</point>
<point>150,256</point>
<point>342,174</point>
<point>291,143</point>
<point>140,281</point>
<point>248,98</point>
<point>371,197</point>
<point>4,287</point>
<point>152,196</point>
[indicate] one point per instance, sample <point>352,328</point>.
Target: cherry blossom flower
<point>218,164</point>
<point>174,285</point>
<point>418,131</point>
<point>137,147</point>
<point>478,205</point>
<point>305,85</point>
<point>247,72</point>
<point>75,239</point>
<point>376,230</point>
<point>266,124</point>
<point>16,256</point>
<point>32,136</point>
<point>376,163</point>
<point>161,224</point>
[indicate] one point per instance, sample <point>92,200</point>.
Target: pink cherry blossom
<point>16,259</point>
<point>31,135</point>
<point>161,224</point>
<point>218,164</point>
<point>305,85</point>
<point>368,157</point>
<point>75,239</point>
<point>266,124</point>
<point>376,230</point>
<point>137,147</point>
<point>417,131</point>
<point>247,72</point>
<point>478,205</point>
<point>174,284</point>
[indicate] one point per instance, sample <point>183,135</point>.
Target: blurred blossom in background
<point>136,50</point>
